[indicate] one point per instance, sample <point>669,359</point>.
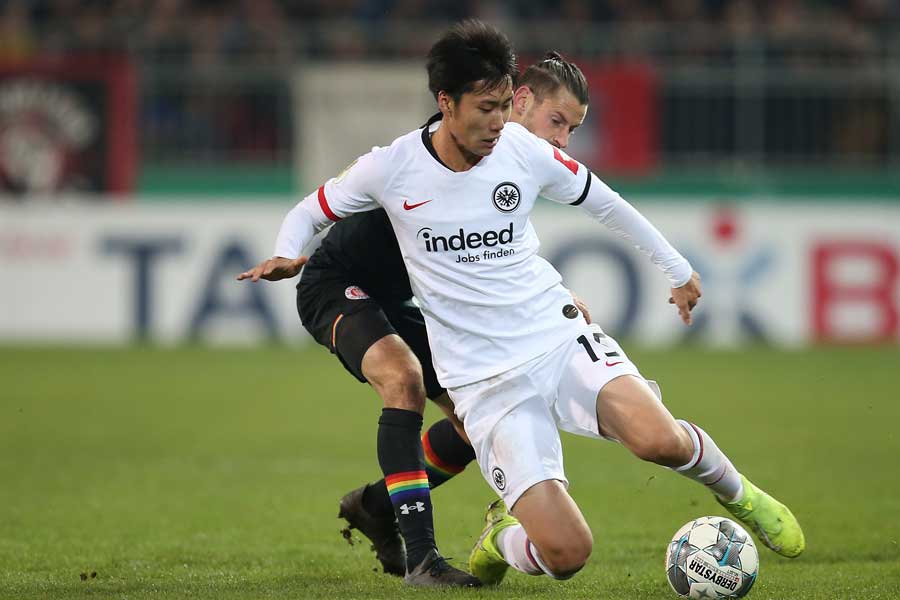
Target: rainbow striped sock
<point>438,470</point>
<point>407,487</point>
<point>400,458</point>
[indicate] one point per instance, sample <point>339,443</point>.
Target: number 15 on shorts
<point>611,355</point>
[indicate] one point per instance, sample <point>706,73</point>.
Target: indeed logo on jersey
<point>469,241</point>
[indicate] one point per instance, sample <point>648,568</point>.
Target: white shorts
<point>513,419</point>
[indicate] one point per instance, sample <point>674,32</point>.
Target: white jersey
<point>490,302</point>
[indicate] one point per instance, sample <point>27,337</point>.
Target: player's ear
<point>522,99</point>
<point>445,103</point>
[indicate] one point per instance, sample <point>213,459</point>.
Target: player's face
<point>554,119</point>
<point>475,122</point>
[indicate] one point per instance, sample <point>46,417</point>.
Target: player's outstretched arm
<point>274,269</point>
<point>686,297</point>
<point>622,218</point>
<point>567,181</point>
<point>346,194</point>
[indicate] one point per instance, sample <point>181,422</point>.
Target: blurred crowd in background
<point>736,82</point>
<point>208,31</point>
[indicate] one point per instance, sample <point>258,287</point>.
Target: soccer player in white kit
<point>506,340</point>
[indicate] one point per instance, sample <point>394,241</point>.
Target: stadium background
<point>175,433</point>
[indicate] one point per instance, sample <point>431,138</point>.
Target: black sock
<point>376,499</point>
<point>446,453</point>
<point>403,464</point>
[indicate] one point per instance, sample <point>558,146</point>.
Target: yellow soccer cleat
<point>485,562</point>
<point>771,521</point>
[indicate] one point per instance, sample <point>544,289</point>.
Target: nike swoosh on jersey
<point>609,364</point>
<point>408,206</point>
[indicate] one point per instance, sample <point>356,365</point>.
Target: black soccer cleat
<point>383,532</point>
<point>435,571</point>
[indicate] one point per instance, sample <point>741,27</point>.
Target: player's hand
<point>582,307</point>
<point>686,297</point>
<point>275,269</point>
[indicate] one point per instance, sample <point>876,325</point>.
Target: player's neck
<point>451,153</point>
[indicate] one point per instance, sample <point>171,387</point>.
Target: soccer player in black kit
<point>354,297</point>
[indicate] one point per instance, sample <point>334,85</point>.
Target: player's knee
<point>565,557</point>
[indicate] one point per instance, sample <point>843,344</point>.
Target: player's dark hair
<point>546,77</point>
<point>470,55</point>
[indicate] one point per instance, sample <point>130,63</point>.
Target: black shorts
<point>339,318</point>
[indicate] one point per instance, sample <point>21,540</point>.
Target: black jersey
<point>362,249</point>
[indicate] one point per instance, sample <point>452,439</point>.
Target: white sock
<point>518,550</point>
<point>710,466</point>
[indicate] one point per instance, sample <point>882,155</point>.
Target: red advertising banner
<point>621,132</point>
<point>625,117</point>
<point>68,125</point>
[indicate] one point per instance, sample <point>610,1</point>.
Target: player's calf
<point>630,411</point>
<point>667,445</point>
<point>402,388</point>
<point>395,373</point>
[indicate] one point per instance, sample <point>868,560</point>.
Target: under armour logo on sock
<point>404,508</point>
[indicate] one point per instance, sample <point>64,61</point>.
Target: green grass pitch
<point>198,473</point>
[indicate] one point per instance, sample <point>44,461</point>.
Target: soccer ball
<point>711,557</point>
